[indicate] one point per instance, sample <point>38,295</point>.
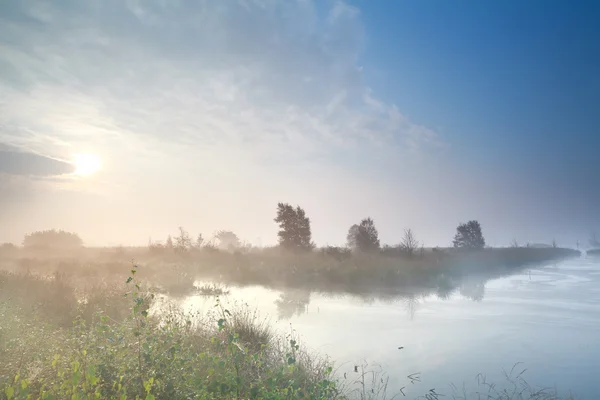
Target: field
<point>94,324</point>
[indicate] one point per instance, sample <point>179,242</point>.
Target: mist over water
<point>546,318</point>
<point>299,199</point>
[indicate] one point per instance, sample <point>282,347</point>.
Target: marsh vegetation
<point>83,323</point>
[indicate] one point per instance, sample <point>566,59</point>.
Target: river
<point>547,318</point>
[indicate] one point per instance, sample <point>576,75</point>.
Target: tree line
<point>295,234</point>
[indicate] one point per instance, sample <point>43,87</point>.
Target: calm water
<point>548,318</point>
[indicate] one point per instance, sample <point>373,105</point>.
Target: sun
<point>86,164</point>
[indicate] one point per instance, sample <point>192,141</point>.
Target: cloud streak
<point>14,162</point>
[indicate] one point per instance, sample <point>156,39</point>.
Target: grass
<point>324,270</point>
<point>61,339</point>
<point>515,387</point>
<point>142,354</point>
<point>212,289</point>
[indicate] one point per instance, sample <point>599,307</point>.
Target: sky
<point>123,120</point>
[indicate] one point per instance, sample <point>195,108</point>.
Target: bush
<point>164,355</point>
<point>53,239</point>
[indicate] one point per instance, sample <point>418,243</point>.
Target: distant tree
<point>294,228</point>
<point>514,244</point>
<point>199,241</point>
<point>227,240</point>
<point>53,239</point>
<point>554,245</point>
<point>409,244</point>
<point>169,243</point>
<point>8,248</point>
<point>183,242</point>
<point>364,236</point>
<point>469,236</point>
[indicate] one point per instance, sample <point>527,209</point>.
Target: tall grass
<point>140,354</point>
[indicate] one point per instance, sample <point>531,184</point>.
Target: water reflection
<point>292,303</point>
<point>411,303</point>
<point>451,328</point>
<point>473,289</point>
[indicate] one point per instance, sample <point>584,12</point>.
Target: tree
<point>183,242</point>
<point>199,241</point>
<point>294,228</point>
<point>53,239</point>
<point>469,236</point>
<point>409,244</point>
<point>363,237</point>
<point>169,243</point>
<point>227,240</point>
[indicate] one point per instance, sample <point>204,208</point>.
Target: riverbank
<point>117,347</point>
<point>60,341</point>
<point>330,270</point>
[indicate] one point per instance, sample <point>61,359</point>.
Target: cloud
<point>209,105</point>
<point>266,80</point>
<point>14,162</point>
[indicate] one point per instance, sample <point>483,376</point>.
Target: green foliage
<point>294,228</point>
<point>364,236</point>
<point>469,236</point>
<point>154,355</point>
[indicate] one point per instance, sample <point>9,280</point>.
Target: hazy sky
<point>205,114</point>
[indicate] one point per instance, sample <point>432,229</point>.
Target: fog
<point>298,199</point>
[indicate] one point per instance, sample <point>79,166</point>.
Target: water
<point>547,318</point>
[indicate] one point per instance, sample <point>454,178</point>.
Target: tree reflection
<point>445,287</point>
<point>411,303</point>
<point>473,289</point>
<point>292,303</point>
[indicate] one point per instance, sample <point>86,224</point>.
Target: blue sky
<point>203,114</point>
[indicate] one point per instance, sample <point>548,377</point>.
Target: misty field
<point>327,270</point>
<point>95,323</point>
<point>104,332</point>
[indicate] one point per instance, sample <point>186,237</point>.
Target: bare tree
<point>409,244</point>
<point>514,243</point>
<point>183,242</point>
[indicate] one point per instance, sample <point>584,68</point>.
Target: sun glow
<point>86,164</point>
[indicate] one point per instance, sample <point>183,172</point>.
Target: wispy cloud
<point>261,100</point>
<point>259,78</point>
<point>16,162</point>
